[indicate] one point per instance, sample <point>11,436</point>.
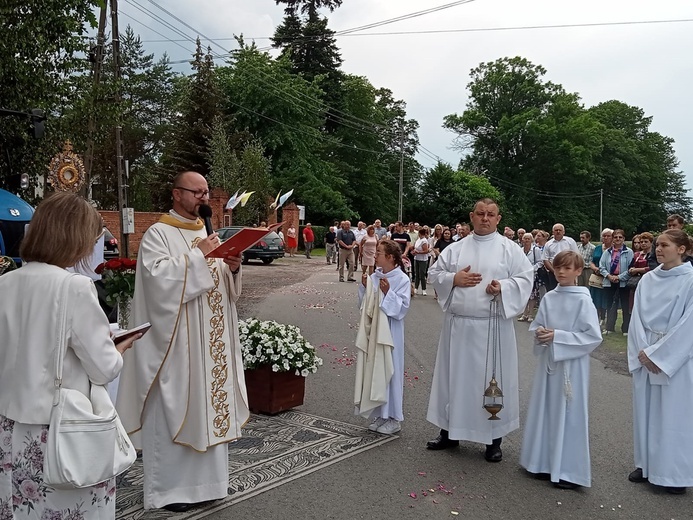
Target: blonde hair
<point>570,259</point>
<point>62,231</point>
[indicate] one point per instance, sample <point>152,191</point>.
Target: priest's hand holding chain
<point>494,288</point>
<point>465,278</point>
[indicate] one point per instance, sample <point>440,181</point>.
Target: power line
<point>472,29</point>
<point>371,25</point>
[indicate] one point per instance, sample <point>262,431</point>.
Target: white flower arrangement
<point>280,346</point>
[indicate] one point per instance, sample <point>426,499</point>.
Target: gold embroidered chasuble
<point>192,352</point>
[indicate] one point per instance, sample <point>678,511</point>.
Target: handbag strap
<point>62,337</point>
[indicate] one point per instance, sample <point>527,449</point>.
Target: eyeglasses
<point>198,194</point>
<point>617,237</point>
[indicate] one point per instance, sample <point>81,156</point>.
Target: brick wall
<point>142,222</point>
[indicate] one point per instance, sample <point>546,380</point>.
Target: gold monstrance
<point>493,395</point>
<point>66,170</point>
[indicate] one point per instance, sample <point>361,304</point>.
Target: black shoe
<point>564,484</point>
<point>493,451</point>
<point>675,490</point>
<point>636,476</point>
<point>178,507</point>
<point>351,279</point>
<point>442,442</point>
<point>540,476</point>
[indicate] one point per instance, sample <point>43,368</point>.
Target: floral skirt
<point>23,494</point>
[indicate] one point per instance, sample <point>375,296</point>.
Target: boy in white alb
<point>556,440</point>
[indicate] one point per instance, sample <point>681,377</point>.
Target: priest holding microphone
<point>182,393</point>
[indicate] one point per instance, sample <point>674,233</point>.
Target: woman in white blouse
<point>62,233</point>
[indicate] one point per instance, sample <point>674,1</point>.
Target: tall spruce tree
<point>198,103</point>
<point>311,48</point>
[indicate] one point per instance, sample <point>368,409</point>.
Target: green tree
<point>197,101</point>
<point>311,48</point>
<point>246,170</point>
<point>145,113</point>
<point>401,141</point>
<point>551,157</point>
<point>43,44</point>
<point>637,169</point>
<point>448,195</point>
<point>289,130</point>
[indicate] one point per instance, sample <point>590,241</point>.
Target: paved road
<point>378,483</point>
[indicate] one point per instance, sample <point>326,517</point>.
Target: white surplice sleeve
<point>676,348</point>
<point>585,337</point>
<point>517,287</point>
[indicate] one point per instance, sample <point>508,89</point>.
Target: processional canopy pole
<point>493,394</point>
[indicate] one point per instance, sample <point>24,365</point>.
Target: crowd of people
<point>182,394</point>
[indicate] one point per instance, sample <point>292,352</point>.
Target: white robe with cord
<point>182,390</point>
<point>379,384</point>
<point>662,326</point>
<point>461,372</point>
<point>556,437</point>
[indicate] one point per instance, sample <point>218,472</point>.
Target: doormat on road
<point>273,451</point>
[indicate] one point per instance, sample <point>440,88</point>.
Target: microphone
<point>205,213</point>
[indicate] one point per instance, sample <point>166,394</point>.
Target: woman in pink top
<point>367,248</point>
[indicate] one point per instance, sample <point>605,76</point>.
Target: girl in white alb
<point>384,298</point>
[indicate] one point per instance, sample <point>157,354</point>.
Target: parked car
<point>110,245</point>
<point>267,249</point>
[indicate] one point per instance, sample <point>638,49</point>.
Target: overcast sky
<point>646,65</point>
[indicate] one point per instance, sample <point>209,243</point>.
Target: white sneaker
<point>424,293</point>
<point>376,424</point>
<point>417,291</point>
<point>389,427</point>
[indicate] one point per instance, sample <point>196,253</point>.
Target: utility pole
<point>601,210</point>
<point>401,174</point>
<point>122,188</point>
<point>97,58</point>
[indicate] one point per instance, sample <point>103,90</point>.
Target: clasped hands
<point>466,278</point>
<point>544,336</point>
<point>648,363</point>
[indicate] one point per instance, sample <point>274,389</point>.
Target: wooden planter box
<point>273,392</point>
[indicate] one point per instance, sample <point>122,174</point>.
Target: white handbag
<point>86,443</point>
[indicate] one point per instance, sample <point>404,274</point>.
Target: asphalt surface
<point>404,480</point>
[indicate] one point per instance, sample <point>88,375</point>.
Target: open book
<point>244,239</point>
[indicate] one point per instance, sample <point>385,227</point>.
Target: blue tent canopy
<point>15,214</point>
<point>14,208</point>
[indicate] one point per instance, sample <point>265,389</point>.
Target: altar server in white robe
<point>384,298</point>
<point>556,438</point>
<point>660,358</point>
<point>182,396</point>
<point>467,275</point>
